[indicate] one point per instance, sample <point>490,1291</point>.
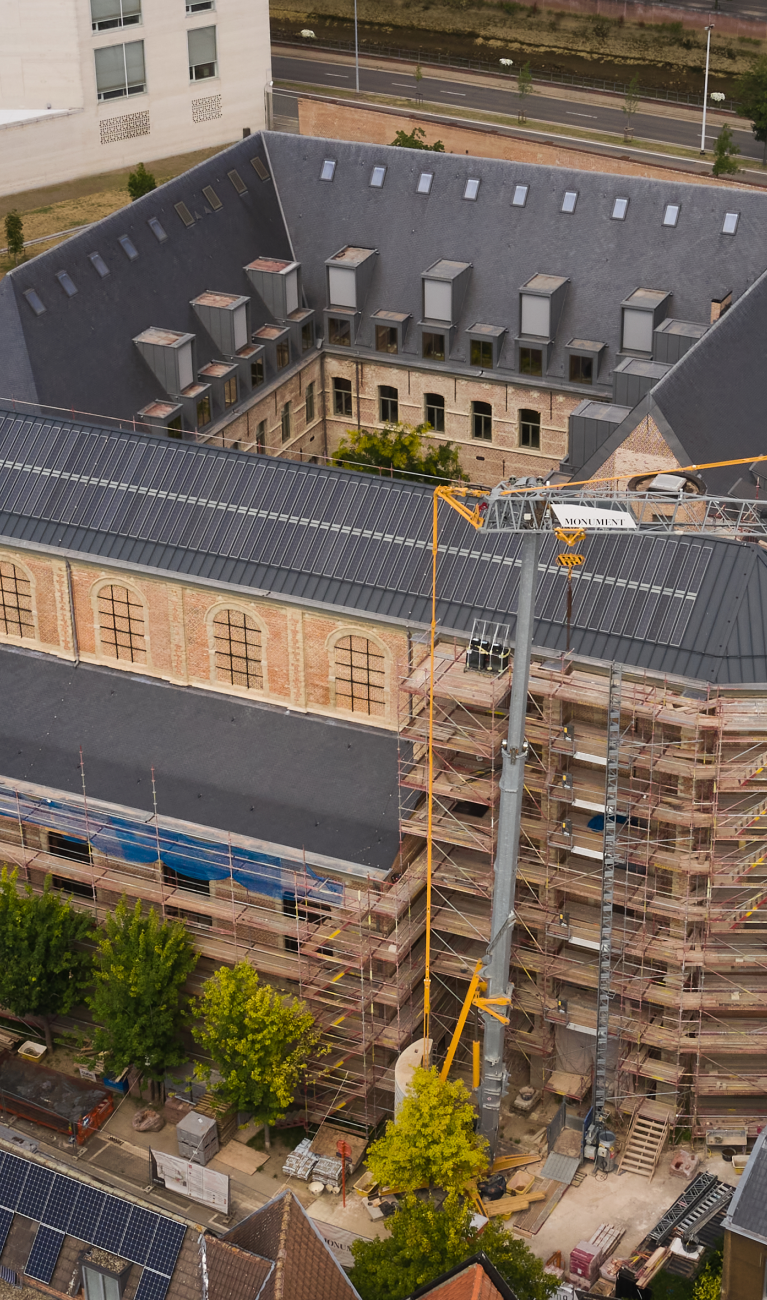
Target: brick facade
<point>179,634</point>
<point>645,449</point>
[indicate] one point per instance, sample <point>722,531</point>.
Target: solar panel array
<point>65,1207</point>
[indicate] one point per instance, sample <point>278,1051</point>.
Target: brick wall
<point>176,636</point>
<point>644,450</point>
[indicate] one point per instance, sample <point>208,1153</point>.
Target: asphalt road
<point>493,98</point>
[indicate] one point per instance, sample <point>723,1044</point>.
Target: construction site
<point>686,1023</point>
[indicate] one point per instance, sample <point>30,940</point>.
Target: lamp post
<point>709,29</point>
<point>357,52</point>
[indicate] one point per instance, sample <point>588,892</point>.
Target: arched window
<point>15,602</point>
<point>238,649</point>
<point>360,675</point>
<point>121,623</point>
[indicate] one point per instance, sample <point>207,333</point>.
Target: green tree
<point>417,140</point>
<point>44,968</point>
<point>426,1241</point>
<point>138,1002</point>
<point>259,1041</point>
<point>432,1142</point>
<point>140,182</point>
<point>708,1285</point>
<point>630,106</point>
<point>399,449</point>
<point>14,234</point>
<point>524,90</point>
<point>751,94</point>
<point>725,153</point>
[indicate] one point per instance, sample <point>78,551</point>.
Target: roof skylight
<point>98,264</point>
<point>67,283</point>
<point>519,197</point>
<point>471,189</point>
<point>128,247</point>
<point>212,197</point>
<point>35,301</point>
<point>569,201</point>
<point>237,181</point>
<point>328,170</point>
<point>184,214</point>
<point>671,214</point>
<point>425,182</point>
<point>730,224</point>
<point>620,208</point>
<point>259,169</point>
<point>377,178</point>
<point>157,230</point>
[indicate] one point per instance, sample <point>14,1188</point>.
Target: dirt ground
<point>57,209</point>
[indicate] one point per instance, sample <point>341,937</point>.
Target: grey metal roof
<point>218,761</point>
<point>686,605</point>
<point>747,1213</point>
<point>79,354</point>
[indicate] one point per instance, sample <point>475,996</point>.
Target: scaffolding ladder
<point>608,885</point>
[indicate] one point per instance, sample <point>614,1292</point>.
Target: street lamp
<point>357,52</point>
<point>709,29</point>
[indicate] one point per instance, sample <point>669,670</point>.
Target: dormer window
<point>278,284</point>
<point>169,355</point>
<point>643,310</point>
<point>444,285</point>
<point>541,301</point>
<point>349,271</point>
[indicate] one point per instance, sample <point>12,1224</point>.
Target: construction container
<point>197,1137</point>
<point>58,1101</point>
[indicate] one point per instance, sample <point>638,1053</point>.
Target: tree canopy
<point>400,450</point>
<point>140,182</point>
<point>725,153</point>
<point>259,1041</point>
<point>14,234</point>
<point>432,1142</point>
<point>416,139</point>
<point>138,1002</point>
<point>751,93</point>
<point>426,1240</point>
<point>44,969</point>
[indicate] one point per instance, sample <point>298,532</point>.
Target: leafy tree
<point>140,182</point>
<point>524,90</point>
<point>432,1142</point>
<point>708,1285</point>
<point>426,1241</point>
<point>399,449</point>
<point>630,106</point>
<point>725,153</point>
<point>417,140</point>
<point>751,93</point>
<point>14,234</point>
<point>259,1041</point>
<point>138,1003</point>
<point>44,970</point>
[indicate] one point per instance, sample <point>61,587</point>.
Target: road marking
<point>570,113</point>
<point>459,93</point>
<point>339,74</point>
<point>406,84</point>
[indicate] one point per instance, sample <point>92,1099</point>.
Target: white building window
<point>202,53</point>
<point>114,13</point>
<point>197,6</point>
<point>120,70</point>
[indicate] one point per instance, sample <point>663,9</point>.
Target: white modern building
<point>91,86</point>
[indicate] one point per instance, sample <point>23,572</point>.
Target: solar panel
<point>14,1177</point>
<point>166,1245</point>
<point>36,1191</point>
<point>111,1226</point>
<point>86,1214</point>
<point>140,1233</point>
<point>6,1219</point>
<point>61,1202</point>
<point>44,1253</point>
<point>152,1286</point>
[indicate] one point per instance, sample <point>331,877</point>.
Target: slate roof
<point>747,1213</point>
<point>262,772</point>
<point>306,1268</point>
<point>710,406</point>
<point>79,354</point>
<point>691,606</point>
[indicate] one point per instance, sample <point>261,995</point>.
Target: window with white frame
<point>120,70</point>
<point>202,53</point>
<point>106,14</point>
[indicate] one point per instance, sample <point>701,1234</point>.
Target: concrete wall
<point>48,49</point>
<point>297,645</point>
